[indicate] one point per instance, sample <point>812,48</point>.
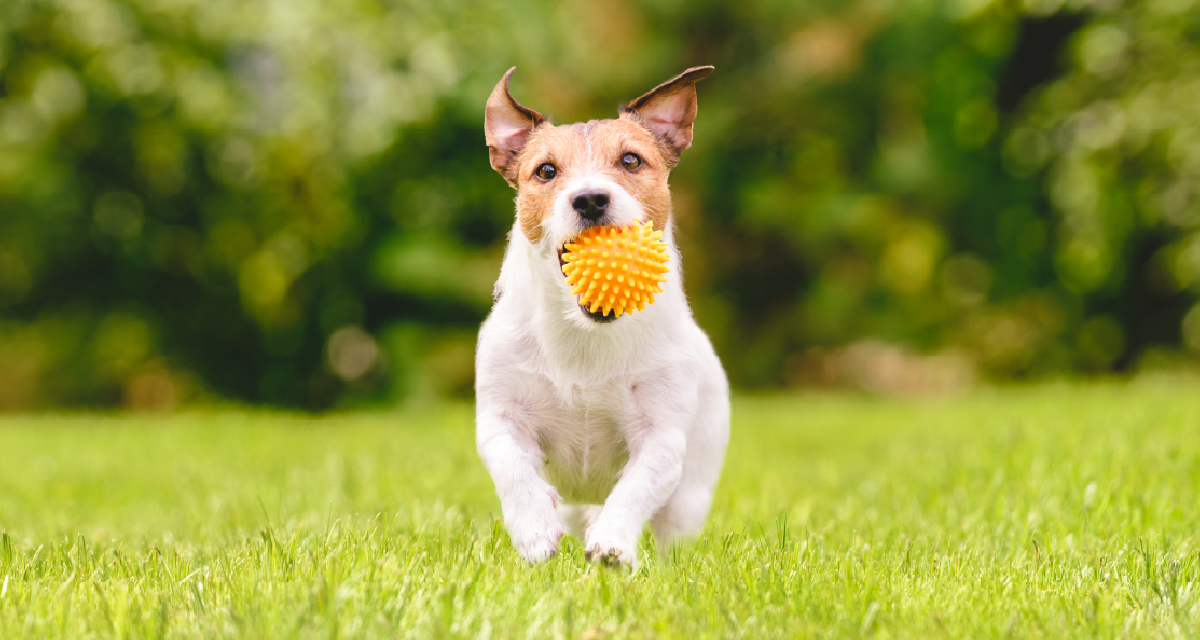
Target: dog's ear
<point>507,125</point>
<point>669,111</point>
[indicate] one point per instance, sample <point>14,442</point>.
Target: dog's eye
<point>631,162</point>
<point>546,171</point>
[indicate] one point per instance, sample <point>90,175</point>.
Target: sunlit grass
<point>1042,512</point>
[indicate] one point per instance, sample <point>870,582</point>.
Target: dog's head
<point>602,172</point>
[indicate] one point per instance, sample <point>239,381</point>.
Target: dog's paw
<point>605,546</point>
<point>537,544</point>
<point>535,529</point>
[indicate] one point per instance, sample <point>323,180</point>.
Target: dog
<point>590,423</point>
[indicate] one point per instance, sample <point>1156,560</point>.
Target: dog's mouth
<point>595,316</point>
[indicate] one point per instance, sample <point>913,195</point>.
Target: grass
<point>1052,511</point>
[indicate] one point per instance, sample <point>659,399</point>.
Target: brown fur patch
<point>598,145</point>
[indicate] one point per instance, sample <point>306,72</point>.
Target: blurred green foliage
<point>291,203</point>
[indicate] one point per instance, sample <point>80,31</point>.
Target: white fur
<point>632,414</point>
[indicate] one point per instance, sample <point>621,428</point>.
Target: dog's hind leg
<point>686,510</point>
<point>578,517</point>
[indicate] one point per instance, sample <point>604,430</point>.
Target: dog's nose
<point>591,205</point>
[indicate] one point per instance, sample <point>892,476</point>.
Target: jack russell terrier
<point>590,422</point>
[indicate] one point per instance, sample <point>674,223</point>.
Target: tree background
<point>289,202</point>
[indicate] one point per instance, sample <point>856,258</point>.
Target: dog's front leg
<point>657,444</point>
<point>526,500</point>
<point>648,480</point>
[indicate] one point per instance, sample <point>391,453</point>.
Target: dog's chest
<point>583,440</point>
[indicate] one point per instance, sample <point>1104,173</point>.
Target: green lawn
<point>1051,511</point>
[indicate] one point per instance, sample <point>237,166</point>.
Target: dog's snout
<point>592,204</point>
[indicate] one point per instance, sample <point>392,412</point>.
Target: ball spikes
<point>616,269</point>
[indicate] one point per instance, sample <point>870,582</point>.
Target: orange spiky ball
<point>617,269</point>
